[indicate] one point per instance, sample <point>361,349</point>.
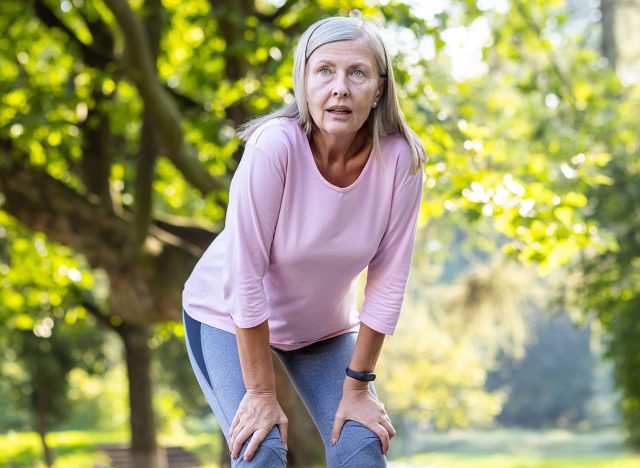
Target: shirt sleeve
<point>388,271</point>
<point>255,196</point>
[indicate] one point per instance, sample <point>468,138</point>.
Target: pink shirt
<point>294,245</point>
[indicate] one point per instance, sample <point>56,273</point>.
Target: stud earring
<point>375,103</point>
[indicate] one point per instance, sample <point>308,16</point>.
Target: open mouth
<point>339,110</point>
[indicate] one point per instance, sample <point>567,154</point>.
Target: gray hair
<point>385,119</point>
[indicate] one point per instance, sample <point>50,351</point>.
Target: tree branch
<point>46,204</point>
<point>608,40</point>
<point>141,290</point>
<point>99,56</point>
<point>143,184</point>
<point>96,150</point>
<point>148,150</point>
<point>555,66</point>
<point>92,56</point>
<point>167,116</point>
<point>283,10</point>
<point>186,230</point>
<point>90,305</point>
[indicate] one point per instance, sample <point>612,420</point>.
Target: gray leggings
<point>317,372</point>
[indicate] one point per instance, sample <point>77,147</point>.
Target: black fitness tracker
<point>362,376</point>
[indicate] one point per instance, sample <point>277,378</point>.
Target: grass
<point>71,448</point>
<point>79,449</point>
<point>451,460</point>
<point>478,449</point>
<point>503,448</point>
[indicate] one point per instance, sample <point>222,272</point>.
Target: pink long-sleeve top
<point>294,244</point>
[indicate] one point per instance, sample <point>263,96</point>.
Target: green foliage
<point>450,335</point>
<point>609,281</point>
<point>427,375</point>
<point>179,385</point>
<point>51,332</point>
<point>543,146</point>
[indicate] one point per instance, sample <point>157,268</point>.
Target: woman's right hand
<point>257,414</point>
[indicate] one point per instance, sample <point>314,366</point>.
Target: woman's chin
<point>339,128</point>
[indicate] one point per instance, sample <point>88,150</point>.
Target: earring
<point>375,103</point>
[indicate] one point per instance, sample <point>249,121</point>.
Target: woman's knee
<point>270,453</point>
<point>358,447</point>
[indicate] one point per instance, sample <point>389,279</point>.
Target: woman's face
<point>342,86</point>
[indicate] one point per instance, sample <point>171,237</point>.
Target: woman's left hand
<point>358,404</point>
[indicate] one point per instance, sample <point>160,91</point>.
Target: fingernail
<point>333,441</point>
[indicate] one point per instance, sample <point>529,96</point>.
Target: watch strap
<point>362,376</point>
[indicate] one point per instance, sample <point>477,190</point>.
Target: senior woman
<point>327,186</point>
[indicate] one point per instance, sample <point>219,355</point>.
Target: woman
<point>327,186</point>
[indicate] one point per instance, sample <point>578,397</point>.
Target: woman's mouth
<point>339,110</point>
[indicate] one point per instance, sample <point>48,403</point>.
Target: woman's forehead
<point>355,50</point>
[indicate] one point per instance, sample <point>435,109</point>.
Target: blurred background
<point>519,343</point>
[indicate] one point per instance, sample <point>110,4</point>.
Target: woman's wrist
<point>262,392</point>
<point>351,384</point>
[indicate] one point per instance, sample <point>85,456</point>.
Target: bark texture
<point>145,452</point>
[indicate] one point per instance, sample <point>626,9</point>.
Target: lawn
<point>502,448</point>
<point>452,460</point>
<point>78,449</point>
<point>478,449</point>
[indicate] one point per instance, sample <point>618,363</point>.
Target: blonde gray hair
<point>385,119</point>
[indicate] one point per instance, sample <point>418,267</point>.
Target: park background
<point>519,343</point>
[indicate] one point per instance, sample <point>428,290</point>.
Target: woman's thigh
<point>213,354</point>
<point>318,372</point>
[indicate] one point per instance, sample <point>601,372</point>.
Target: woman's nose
<point>340,87</point>
<point>340,91</point>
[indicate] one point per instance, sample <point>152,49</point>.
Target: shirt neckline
<point>309,155</point>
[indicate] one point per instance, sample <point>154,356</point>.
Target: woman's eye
<point>324,71</point>
<point>358,73</point>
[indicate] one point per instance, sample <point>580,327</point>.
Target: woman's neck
<point>329,149</point>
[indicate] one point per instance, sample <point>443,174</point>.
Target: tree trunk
<point>39,402</point>
<point>145,452</point>
<point>225,456</point>
<point>46,450</point>
<point>608,42</point>
<point>305,445</point>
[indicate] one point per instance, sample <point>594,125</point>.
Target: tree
<point>541,146</point>
<point>608,280</point>
<point>118,131</point>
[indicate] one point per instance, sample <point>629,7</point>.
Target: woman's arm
<point>365,355</point>
<point>358,404</point>
<point>255,358</point>
<point>259,410</point>
<point>255,197</point>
